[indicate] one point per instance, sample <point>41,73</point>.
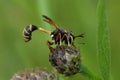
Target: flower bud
<point>66,59</point>
<point>36,74</point>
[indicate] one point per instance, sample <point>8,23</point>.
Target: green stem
<point>86,72</point>
<point>103,42</point>
<point>43,9</point>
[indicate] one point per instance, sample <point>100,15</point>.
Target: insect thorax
<point>61,35</point>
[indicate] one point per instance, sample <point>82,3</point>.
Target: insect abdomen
<point>27,32</point>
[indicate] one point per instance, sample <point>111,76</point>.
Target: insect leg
<point>50,43</point>
<point>63,37</point>
<point>58,37</point>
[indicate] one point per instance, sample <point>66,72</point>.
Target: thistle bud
<point>66,59</point>
<point>34,75</point>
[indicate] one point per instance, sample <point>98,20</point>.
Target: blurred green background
<point>80,16</point>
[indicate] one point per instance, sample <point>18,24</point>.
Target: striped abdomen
<point>27,32</point>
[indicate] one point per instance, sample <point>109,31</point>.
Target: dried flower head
<point>36,74</point>
<point>66,59</point>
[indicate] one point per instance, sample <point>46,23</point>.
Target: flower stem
<point>86,72</point>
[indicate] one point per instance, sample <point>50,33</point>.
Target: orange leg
<point>58,36</point>
<point>67,39</point>
<point>63,37</point>
<point>49,43</point>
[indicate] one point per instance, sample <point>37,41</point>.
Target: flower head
<point>36,74</point>
<point>66,59</point>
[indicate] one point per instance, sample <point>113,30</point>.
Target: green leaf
<point>103,42</point>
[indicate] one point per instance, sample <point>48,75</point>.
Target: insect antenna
<point>81,35</point>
